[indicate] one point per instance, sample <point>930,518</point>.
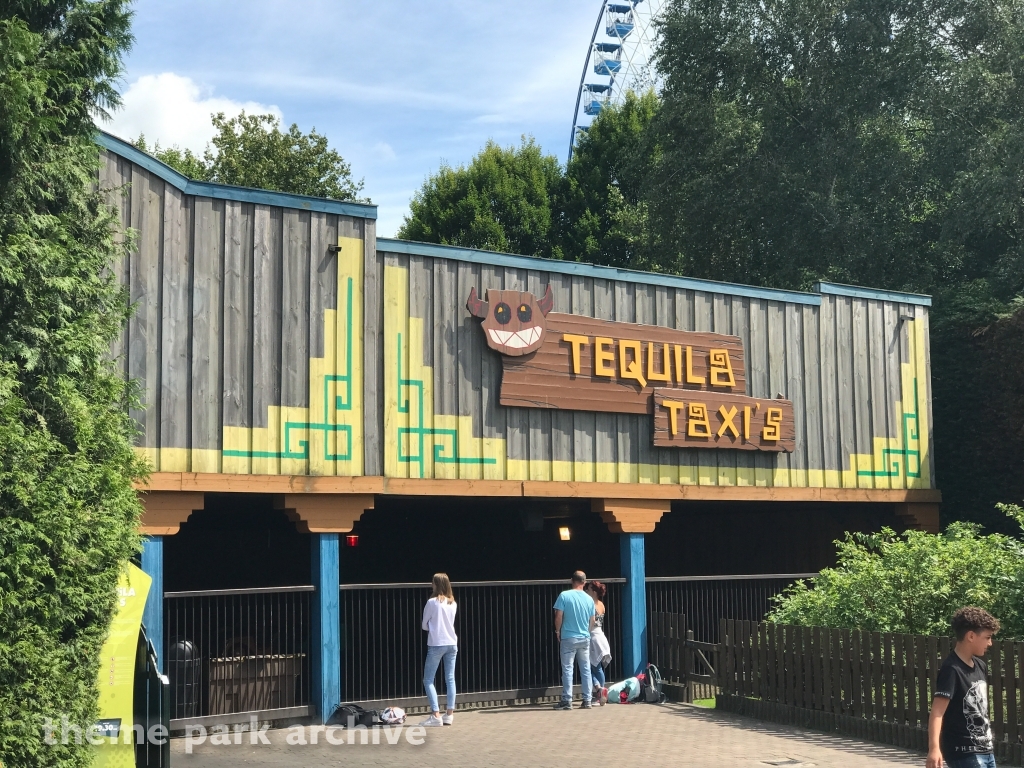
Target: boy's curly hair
<point>971,619</point>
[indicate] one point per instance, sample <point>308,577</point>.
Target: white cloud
<point>174,110</point>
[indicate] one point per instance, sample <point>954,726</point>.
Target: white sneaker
<point>448,719</point>
<point>432,722</point>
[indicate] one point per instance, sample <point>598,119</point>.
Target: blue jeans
<point>578,649</point>
<point>434,655</point>
<point>597,673</point>
<point>971,761</point>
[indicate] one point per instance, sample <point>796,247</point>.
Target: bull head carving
<point>513,321</point>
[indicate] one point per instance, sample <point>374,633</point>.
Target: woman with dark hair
<point>442,645</point>
<point>600,650</point>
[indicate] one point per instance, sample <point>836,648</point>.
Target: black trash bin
<point>183,671</point>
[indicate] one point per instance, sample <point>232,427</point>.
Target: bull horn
<point>547,302</point>
<point>476,307</point>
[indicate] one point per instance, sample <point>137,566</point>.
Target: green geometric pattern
<point>901,458</point>
<point>341,403</point>
<point>444,452</point>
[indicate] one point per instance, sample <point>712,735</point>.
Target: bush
<point>913,582</point>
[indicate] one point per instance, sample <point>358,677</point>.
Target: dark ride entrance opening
<point>711,538</point>
<point>238,541</point>
<point>408,539</point>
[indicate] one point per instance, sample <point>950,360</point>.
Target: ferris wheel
<point>619,60</point>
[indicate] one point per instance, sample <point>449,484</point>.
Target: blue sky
<point>397,86</point>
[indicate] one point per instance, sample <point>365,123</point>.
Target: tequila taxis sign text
<point>693,384</point>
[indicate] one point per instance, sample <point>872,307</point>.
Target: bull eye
<point>525,313</point>
<point>503,313</point>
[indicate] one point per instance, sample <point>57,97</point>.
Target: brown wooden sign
<point>584,364</point>
<point>713,420</point>
<point>692,383</point>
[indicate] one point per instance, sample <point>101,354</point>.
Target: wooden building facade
<point>281,348</point>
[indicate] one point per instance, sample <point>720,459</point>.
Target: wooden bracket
<point>631,515</point>
<point>324,512</point>
<point>919,517</point>
<point>165,511</point>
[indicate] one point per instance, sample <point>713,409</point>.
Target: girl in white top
<point>442,644</point>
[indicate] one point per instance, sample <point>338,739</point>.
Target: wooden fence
<point>687,665</point>
<point>871,685</point>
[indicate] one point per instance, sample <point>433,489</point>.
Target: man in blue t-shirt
<point>574,620</point>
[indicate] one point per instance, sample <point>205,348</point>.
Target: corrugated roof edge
<point>515,261</point>
<point>838,289</point>
<point>227,191</point>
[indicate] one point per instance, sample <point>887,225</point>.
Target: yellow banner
<point>117,673</point>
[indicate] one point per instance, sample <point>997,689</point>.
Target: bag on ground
<point>350,715</point>
<point>392,716</point>
<point>626,691</point>
<point>651,686</point>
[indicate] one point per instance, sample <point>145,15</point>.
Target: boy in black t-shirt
<point>958,729</point>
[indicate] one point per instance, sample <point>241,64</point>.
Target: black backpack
<point>650,688</point>
<point>349,715</point>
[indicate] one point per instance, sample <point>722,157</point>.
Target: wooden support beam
<point>165,511</point>
<point>630,515</point>
<point>919,517</point>
<point>213,482</point>
<point>324,512</point>
<point>397,486</point>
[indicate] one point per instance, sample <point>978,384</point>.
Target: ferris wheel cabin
<point>595,98</point>
<point>607,59</point>
<point>619,20</point>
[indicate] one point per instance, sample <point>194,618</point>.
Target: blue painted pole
<point>326,640</point>
<point>153,614</point>
<point>634,603</point>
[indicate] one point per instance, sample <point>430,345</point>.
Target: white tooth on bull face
<point>515,339</point>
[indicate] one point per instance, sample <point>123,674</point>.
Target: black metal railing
<point>506,639</point>
<point>237,650</point>
<point>705,600</point>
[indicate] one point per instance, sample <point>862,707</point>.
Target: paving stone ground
<point>620,736</point>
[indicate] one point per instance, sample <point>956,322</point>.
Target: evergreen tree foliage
<point>68,510</point>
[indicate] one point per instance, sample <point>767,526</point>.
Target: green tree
<point>501,201</point>
<point>253,151</point>
<point>601,208</point>
<point>184,161</point>
<point>863,141</point>
<point>68,510</point>
<point>913,582</point>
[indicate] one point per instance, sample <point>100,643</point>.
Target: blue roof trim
<point>142,159</point>
<point>227,191</point>
<point>580,269</point>
<point>838,289</point>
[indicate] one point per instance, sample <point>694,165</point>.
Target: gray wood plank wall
<point>231,302</point>
<point>841,363</point>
